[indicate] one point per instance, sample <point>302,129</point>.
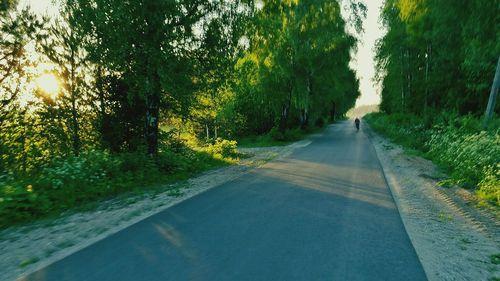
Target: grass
<point>28,261</point>
<point>495,259</point>
<point>274,138</point>
<point>260,141</point>
<point>459,145</point>
<point>65,244</point>
<point>81,183</point>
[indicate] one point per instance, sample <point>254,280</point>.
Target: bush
<point>288,135</point>
<point>172,142</point>
<point>169,162</point>
<point>223,148</point>
<point>19,202</point>
<point>65,183</point>
<point>466,155</point>
<point>320,122</point>
<point>276,134</point>
<point>489,186</point>
<point>459,144</point>
<point>87,168</point>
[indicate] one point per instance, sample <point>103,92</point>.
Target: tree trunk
<point>490,108</point>
<point>304,119</point>
<point>152,110</point>
<point>286,111</point>
<point>408,74</point>
<point>332,112</point>
<point>74,113</point>
<point>427,59</point>
<point>402,79</point>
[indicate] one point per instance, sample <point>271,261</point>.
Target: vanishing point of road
<point>322,213</point>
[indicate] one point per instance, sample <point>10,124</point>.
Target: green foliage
<point>426,61</point>
<point>465,153</point>
<point>489,186</point>
<point>19,202</point>
<point>223,148</point>
<point>299,72</point>
<point>213,70</point>
<point>74,181</point>
<point>458,144</point>
<point>405,129</point>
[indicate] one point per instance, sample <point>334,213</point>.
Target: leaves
<point>427,61</point>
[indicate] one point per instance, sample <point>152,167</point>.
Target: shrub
<point>276,134</point>
<point>171,141</point>
<point>88,167</point>
<point>320,122</point>
<point>224,148</point>
<point>489,186</point>
<point>19,202</point>
<point>169,162</point>
<point>459,144</point>
<point>466,155</point>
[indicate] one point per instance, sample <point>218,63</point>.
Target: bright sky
<point>364,60</point>
<point>40,6</point>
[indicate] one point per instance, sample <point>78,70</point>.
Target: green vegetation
<point>495,259</point>
<point>115,96</point>
<point>28,261</point>
<point>460,145</point>
<point>428,62</point>
<point>75,181</point>
<point>436,77</point>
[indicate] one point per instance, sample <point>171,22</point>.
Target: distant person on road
<point>357,121</point>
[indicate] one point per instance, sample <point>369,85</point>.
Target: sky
<point>363,62</point>
<point>364,59</point>
<point>40,6</point>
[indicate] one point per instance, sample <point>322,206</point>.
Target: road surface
<point>322,213</point>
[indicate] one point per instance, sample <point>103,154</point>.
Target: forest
<point>436,66</point>
<point>111,96</point>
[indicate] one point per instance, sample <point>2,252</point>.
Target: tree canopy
<point>107,94</point>
<point>438,55</point>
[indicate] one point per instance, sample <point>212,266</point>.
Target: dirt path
<point>453,240</point>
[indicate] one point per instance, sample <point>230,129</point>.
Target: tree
<point>427,61</point>
<point>62,45</point>
<point>297,70</point>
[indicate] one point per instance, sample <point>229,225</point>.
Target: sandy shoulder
<point>453,240</point>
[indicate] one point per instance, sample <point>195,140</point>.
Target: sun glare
<point>49,84</point>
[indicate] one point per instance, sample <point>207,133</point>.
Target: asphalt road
<point>322,213</point>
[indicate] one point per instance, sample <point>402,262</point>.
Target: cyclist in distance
<point>356,122</point>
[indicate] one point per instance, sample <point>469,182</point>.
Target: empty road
<point>322,213</point>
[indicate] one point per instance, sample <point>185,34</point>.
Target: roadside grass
<point>276,138</point>
<point>81,183</point>
<point>495,259</point>
<point>28,261</point>
<point>459,145</point>
<point>260,141</point>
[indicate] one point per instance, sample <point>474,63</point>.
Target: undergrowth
<point>460,145</point>
<point>75,181</point>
